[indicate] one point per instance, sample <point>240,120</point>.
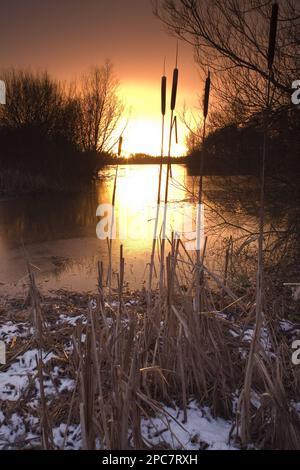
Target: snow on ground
<point>286,325</point>
<point>21,429</point>
<point>14,434</point>
<point>265,340</point>
<point>296,406</point>
<point>201,431</point>
<point>73,440</point>
<point>71,320</point>
<point>9,330</point>
<point>14,429</point>
<point>15,379</point>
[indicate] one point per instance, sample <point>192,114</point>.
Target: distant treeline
<point>53,136</point>
<point>237,148</point>
<point>142,159</point>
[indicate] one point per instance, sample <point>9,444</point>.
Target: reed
<point>39,327</point>
<point>200,197</point>
<point>109,272</point>
<point>46,427</point>
<point>246,392</point>
<point>34,298</point>
<point>163,113</point>
<point>120,377</point>
<point>173,122</point>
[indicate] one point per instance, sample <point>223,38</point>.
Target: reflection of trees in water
<point>84,265</point>
<point>47,217</point>
<point>238,198</point>
<point>231,212</point>
<point>231,223</point>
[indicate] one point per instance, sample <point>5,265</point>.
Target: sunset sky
<point>67,36</point>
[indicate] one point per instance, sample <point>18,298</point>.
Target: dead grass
<point>142,350</point>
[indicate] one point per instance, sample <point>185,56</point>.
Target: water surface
<point>57,233</point>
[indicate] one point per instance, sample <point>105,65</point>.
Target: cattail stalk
<point>172,122</point>
<point>163,112</point>
<point>109,271</point>
<point>200,195</point>
<point>246,393</point>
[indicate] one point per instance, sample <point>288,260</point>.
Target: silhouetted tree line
<point>56,132</point>
<point>237,148</point>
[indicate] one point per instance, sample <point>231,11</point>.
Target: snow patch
<point>201,431</point>
<point>16,378</point>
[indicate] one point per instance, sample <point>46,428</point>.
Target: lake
<point>57,232</point>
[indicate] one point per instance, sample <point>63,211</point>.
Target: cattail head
<point>163,94</point>
<point>120,146</point>
<point>174,89</point>
<point>272,35</point>
<point>206,96</point>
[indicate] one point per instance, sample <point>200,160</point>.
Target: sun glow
<point>142,133</point>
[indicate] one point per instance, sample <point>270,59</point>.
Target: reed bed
<point>129,354</point>
<point>251,363</point>
<point>17,181</point>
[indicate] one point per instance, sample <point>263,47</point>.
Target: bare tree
<point>101,108</point>
<point>230,38</point>
<point>37,101</point>
<point>31,99</point>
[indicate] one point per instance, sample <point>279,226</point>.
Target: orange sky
<point>67,36</point>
